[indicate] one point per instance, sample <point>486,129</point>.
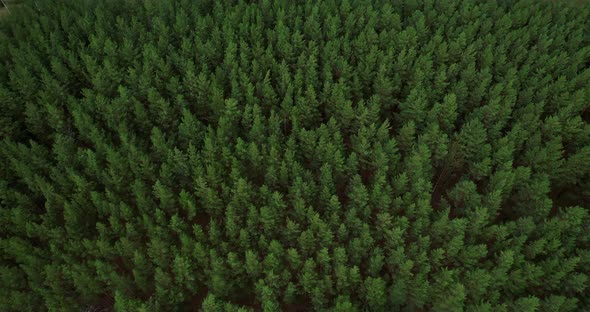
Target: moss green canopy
<point>295,155</point>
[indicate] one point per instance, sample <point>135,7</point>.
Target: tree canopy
<point>354,155</point>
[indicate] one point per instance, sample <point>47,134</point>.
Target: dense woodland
<point>295,155</point>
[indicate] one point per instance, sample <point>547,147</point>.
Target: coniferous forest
<point>354,155</point>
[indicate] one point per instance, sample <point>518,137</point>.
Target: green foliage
<point>280,155</point>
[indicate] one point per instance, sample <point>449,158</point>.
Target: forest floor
<point>11,4</point>
<point>3,11</point>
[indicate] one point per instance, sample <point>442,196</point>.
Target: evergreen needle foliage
<point>295,155</point>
